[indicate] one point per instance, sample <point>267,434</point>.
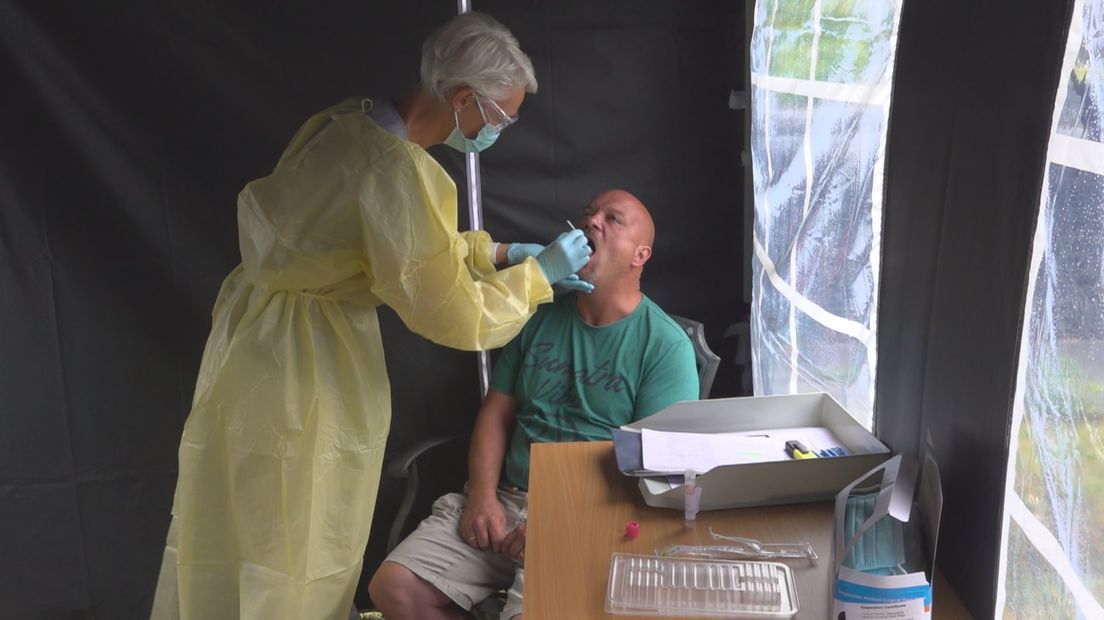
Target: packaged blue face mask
<point>881,548</point>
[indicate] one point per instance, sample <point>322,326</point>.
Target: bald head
<point>640,220</point>
<point>621,231</point>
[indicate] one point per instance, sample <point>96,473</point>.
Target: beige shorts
<point>437,553</point>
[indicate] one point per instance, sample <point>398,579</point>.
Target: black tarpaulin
<point>128,130</point>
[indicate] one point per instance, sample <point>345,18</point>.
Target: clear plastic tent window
<point>1053,535</point>
<point>821,73</point>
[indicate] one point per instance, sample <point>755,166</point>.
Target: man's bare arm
<point>483,524</point>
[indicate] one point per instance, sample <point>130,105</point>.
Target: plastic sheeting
<point>821,76</point>
<point>1054,520</point>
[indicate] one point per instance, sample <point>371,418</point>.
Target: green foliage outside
<point>1033,588</point>
<point>850,34</point>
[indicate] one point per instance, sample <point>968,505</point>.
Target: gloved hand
<point>574,283</point>
<point>564,256</point>
<point>517,252</point>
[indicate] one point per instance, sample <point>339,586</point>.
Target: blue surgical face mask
<point>880,549</point>
<point>457,140</point>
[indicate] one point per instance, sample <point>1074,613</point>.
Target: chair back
<point>706,359</point>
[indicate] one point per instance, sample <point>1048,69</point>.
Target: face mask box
<point>884,543</point>
<point>780,479</point>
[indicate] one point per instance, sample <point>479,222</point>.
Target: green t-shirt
<point>573,382</point>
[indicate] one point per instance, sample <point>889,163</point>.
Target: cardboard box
<point>775,482</point>
<point>859,595</point>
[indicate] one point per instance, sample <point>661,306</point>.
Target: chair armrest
<point>399,465</point>
<point>405,465</point>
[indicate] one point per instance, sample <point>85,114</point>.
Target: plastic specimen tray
<point>665,586</point>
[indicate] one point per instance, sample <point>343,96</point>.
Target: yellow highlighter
<point>797,450</point>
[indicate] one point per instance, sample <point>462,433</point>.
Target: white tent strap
<point>1077,153</point>
<point>833,322</point>
<point>1052,551</point>
<point>865,94</point>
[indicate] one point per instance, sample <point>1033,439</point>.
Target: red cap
<point>632,530</point>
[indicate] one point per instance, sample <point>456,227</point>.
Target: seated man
<point>582,365</point>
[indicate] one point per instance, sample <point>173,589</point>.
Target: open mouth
<point>590,242</point>
<point>593,252</point>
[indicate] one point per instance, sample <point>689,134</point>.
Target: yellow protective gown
<point>280,458</point>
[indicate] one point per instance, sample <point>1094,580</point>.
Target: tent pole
<point>475,220</point>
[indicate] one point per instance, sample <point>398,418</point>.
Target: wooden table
<point>579,504</point>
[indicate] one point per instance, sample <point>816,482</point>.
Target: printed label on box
<point>860,596</point>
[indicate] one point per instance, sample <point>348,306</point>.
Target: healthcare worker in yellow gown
<point>281,455</point>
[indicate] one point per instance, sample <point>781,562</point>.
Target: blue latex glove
<point>517,252</point>
<point>564,256</point>
<point>574,283</point>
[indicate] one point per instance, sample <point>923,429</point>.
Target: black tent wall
<point>974,90</point>
<point>128,129</point>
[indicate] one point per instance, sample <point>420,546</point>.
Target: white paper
<point>701,452</point>
<point>674,453</point>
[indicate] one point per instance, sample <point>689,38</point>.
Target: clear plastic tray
<point>650,585</point>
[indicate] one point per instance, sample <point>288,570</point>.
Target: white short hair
<point>474,49</point>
